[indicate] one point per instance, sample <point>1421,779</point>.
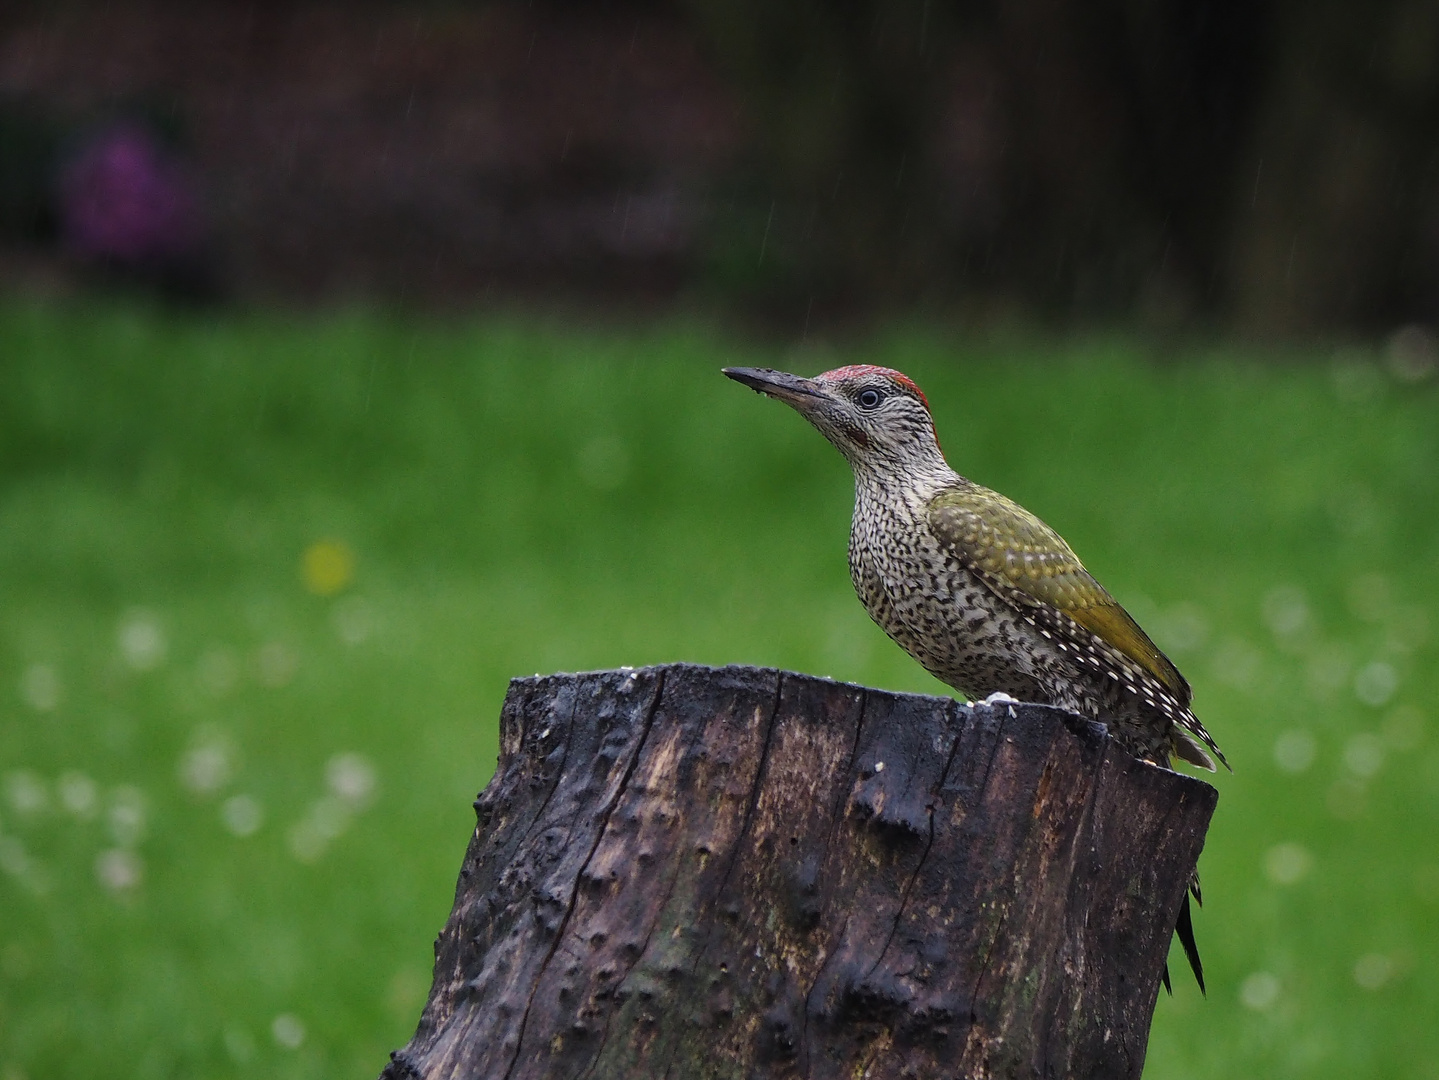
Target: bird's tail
<point>1192,742</point>
<point>1184,930</point>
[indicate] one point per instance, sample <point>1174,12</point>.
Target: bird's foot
<point>999,697</point>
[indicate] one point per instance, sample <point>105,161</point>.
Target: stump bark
<point>692,872</point>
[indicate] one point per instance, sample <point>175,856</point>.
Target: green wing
<point>1011,546</point>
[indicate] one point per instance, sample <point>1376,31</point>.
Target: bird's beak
<point>803,394</point>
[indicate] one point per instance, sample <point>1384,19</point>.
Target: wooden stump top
<point>693,872</point>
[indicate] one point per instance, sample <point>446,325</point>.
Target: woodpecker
<point>986,596</point>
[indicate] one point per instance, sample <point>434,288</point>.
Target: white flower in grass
<point>142,641</point>
<point>119,870</point>
<point>210,762</point>
<point>1184,628</point>
<point>242,815</point>
<point>1373,970</point>
<point>26,793</point>
<point>1286,610</point>
<point>1259,991</point>
<point>1375,683</point>
<point>207,767</point>
<point>327,820</point>
<point>288,1031</point>
<point>1364,755</point>
<point>1294,751</point>
<point>127,815</point>
<point>79,795</point>
<point>14,859</point>
<point>1286,864</point>
<point>1412,353</point>
<point>353,619</point>
<point>40,687</point>
<point>16,862</point>
<point>351,778</point>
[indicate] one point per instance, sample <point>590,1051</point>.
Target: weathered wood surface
<point>732,872</point>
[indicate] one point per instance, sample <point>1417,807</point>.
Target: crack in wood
<point>750,804</point>
<point>929,844</point>
<point>836,818</point>
<point>644,948</point>
<point>575,889</point>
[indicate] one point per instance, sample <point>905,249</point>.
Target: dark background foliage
<point>1265,165</point>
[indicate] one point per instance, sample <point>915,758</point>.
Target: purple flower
<point>126,199</point>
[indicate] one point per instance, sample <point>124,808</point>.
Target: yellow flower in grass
<point>328,566</point>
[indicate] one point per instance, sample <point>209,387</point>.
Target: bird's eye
<point>869,399</point>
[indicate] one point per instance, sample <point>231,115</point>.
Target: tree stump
<point>692,872</point>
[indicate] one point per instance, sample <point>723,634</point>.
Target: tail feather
<point>1184,929</point>
<point>1188,736</point>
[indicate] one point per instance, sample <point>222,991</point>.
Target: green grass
<point>524,497</point>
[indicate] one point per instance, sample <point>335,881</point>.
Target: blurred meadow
<point>264,577</point>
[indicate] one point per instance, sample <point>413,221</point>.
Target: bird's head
<point>877,417</point>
